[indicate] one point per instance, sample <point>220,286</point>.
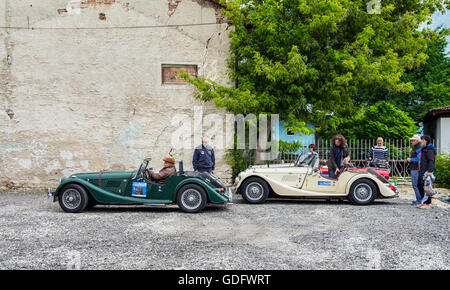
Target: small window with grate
<point>171,73</point>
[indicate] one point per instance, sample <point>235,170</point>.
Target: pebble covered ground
<point>280,234</point>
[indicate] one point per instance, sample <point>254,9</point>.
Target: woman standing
<point>338,152</point>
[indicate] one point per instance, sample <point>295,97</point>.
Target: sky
<point>444,20</point>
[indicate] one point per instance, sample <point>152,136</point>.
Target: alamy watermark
<point>74,260</point>
<point>263,131</point>
<point>374,7</point>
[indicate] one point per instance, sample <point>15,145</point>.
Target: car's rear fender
<point>212,194</point>
<point>362,176</point>
<point>383,187</point>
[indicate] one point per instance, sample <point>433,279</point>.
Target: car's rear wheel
<point>191,198</point>
<point>255,190</point>
<point>362,192</point>
<point>73,198</point>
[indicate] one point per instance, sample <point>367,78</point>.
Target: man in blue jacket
<point>204,160</point>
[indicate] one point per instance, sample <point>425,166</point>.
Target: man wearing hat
<point>167,171</point>
<point>414,166</point>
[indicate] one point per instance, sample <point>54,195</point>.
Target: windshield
<point>140,172</point>
<point>308,159</point>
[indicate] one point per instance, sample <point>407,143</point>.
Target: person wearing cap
<point>414,166</point>
<point>204,159</point>
<point>167,171</point>
<point>426,163</point>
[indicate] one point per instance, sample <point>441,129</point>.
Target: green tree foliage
<point>289,147</point>
<point>431,84</point>
<point>305,59</point>
<point>239,160</point>
<point>380,120</point>
<point>443,170</point>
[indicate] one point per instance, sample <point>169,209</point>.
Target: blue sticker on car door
<point>324,183</point>
<point>139,189</point>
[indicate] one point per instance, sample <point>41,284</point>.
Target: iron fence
<point>399,151</point>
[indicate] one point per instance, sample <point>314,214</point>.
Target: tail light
<point>392,187</point>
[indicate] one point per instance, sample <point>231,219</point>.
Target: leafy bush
<point>288,147</point>
<point>239,160</point>
<point>443,170</point>
<point>382,119</point>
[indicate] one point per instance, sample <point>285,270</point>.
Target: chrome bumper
<point>50,194</point>
<point>230,194</point>
<point>397,193</point>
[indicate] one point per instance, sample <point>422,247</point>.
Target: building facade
<point>436,124</point>
<point>95,84</point>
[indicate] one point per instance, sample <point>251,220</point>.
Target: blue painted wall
<point>302,138</point>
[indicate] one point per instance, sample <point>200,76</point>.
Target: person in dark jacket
<point>204,159</point>
<point>338,152</point>
<point>426,163</point>
<point>414,166</point>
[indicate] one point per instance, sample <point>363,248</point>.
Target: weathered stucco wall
<point>88,99</point>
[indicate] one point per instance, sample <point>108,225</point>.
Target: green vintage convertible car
<point>190,190</point>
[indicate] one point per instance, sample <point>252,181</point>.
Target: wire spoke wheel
<point>71,198</point>
<point>191,199</point>
<point>363,192</point>
<point>254,191</point>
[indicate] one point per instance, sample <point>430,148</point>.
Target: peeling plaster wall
<point>85,100</point>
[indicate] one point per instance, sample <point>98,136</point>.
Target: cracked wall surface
<point>75,100</point>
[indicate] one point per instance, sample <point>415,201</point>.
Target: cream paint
<point>311,188</point>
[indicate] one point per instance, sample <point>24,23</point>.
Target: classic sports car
<point>190,190</point>
<point>303,179</point>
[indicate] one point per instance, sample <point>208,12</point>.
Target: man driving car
<point>167,171</point>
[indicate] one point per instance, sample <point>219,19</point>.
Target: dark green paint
<point>116,187</point>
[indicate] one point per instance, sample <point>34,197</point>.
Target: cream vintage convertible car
<point>304,179</point>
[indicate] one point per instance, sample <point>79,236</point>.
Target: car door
<point>315,181</point>
<point>156,191</point>
<point>289,176</point>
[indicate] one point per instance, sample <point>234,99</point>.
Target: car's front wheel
<point>255,190</point>
<point>362,192</point>
<point>73,198</point>
<point>191,198</point>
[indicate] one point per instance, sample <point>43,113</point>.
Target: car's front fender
<point>104,196</point>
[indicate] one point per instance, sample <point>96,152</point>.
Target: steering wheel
<point>147,175</point>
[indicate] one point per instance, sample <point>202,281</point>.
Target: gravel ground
<point>280,234</point>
